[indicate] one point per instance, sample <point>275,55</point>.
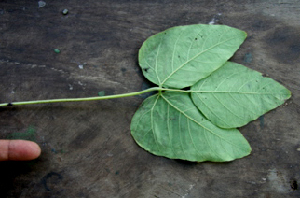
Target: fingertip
<point>33,150</point>
<point>22,150</point>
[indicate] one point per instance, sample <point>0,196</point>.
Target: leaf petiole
<point>159,89</point>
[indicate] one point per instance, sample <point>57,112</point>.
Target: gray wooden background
<point>87,149</point>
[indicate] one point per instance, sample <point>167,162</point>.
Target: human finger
<point>18,150</point>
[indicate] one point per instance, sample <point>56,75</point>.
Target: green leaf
<point>169,124</point>
<point>235,95</point>
<point>180,56</point>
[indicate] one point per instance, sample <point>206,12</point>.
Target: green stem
<point>88,98</point>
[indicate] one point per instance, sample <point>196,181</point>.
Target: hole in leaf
<point>146,69</point>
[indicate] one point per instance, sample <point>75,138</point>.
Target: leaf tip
<point>289,94</point>
<point>245,34</point>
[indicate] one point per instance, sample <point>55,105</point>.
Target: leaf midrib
<point>239,92</point>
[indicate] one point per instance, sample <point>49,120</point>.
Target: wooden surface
<point>87,149</point>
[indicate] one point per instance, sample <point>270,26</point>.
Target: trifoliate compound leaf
<point>169,124</point>
<point>235,95</point>
<point>180,56</point>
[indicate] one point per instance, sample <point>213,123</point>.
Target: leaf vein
<point>225,106</point>
<point>152,122</point>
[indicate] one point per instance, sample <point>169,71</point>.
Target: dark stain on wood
<point>285,44</point>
